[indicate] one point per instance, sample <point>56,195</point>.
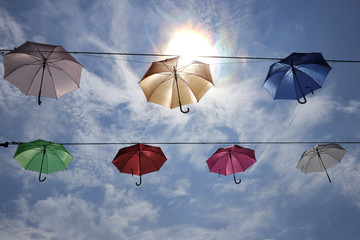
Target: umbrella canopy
<point>42,70</point>
<point>296,76</point>
<point>43,157</point>
<point>231,160</point>
<point>320,158</point>
<point>139,159</point>
<point>171,84</point>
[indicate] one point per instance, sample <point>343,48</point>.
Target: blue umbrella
<point>296,76</point>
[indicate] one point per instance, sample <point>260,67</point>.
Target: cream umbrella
<point>172,84</point>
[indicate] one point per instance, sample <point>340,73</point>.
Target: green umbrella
<point>42,156</point>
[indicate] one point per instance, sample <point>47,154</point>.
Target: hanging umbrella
<point>139,159</point>
<point>320,158</point>
<point>42,70</point>
<point>172,84</point>
<point>43,157</point>
<point>296,76</point>
<point>231,160</point>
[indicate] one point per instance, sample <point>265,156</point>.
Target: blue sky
<point>92,200</point>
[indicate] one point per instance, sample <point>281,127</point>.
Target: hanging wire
<point>6,144</point>
<point>174,55</point>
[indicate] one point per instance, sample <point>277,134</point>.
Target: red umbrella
<point>231,160</point>
<point>139,159</point>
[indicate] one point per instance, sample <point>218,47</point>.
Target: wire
<point>200,143</point>
<point>173,55</point>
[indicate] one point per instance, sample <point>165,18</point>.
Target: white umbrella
<point>320,158</point>
<point>42,70</point>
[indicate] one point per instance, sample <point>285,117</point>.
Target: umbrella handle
<point>303,101</point>
<point>236,181</point>
<point>42,78</point>
<point>178,92</point>
<point>138,184</point>
<point>323,164</point>
<point>39,102</point>
<point>305,97</point>
<point>297,80</point>
<point>182,109</point>
<point>41,180</point>
<point>42,162</point>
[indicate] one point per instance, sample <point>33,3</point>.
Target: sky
<point>184,200</point>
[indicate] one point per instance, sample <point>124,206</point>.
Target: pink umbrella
<point>42,70</point>
<point>231,160</point>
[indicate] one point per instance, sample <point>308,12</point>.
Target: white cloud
<point>121,214</point>
<point>180,188</point>
<point>12,32</point>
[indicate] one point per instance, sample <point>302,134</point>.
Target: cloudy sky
<point>93,200</point>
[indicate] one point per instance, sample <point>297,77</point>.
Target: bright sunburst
<point>189,43</point>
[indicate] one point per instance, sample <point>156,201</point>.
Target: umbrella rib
<point>33,158</point>
<point>51,152</point>
<point>59,159</point>
<point>135,153</point>
<point>32,80</point>
<point>187,85</point>
<point>144,152</point>
<point>280,70</point>
<point>182,68</point>
<point>164,80</point>
<point>168,67</point>
<point>295,67</point>
<point>307,164</point>
<point>328,154</point>
<point>28,64</point>
<point>215,161</point>
<point>52,79</point>
<point>240,164</point>
<point>59,68</point>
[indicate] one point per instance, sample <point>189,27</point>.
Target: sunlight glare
<point>189,44</point>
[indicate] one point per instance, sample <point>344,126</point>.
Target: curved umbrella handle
<point>303,101</point>
<point>178,92</point>
<point>182,109</point>
<point>41,180</point>
<point>236,181</point>
<point>138,184</point>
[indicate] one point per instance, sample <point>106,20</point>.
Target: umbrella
<point>296,76</point>
<point>172,84</point>
<point>231,160</point>
<point>42,70</point>
<point>43,157</point>
<point>139,159</point>
<point>320,158</point>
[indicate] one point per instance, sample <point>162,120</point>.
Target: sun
<point>189,44</point>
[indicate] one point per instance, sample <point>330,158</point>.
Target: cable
<point>199,143</point>
<point>172,55</point>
